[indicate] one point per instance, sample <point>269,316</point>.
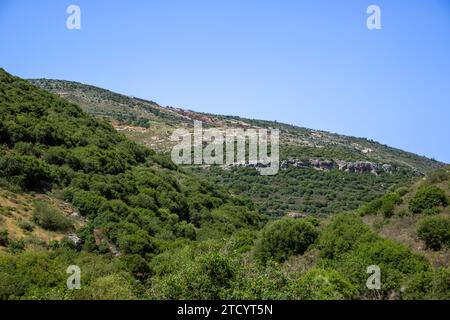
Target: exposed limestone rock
<point>326,165</point>
<point>77,241</point>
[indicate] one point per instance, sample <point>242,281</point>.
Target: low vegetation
<point>428,198</point>
<point>435,232</point>
<point>49,218</point>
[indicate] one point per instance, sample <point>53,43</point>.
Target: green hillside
<point>309,190</point>
<point>74,191</point>
<point>295,141</point>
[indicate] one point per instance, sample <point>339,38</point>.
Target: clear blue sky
<point>310,63</point>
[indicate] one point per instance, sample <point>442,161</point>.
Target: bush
<point>136,265</point>
<point>26,225</point>
<point>4,239</point>
<point>186,230</point>
<point>371,207</point>
<point>402,191</point>
<point>439,175</point>
<point>50,218</point>
<point>211,276</point>
<point>432,211</point>
<point>88,203</point>
<point>16,246</point>
<point>385,204</point>
<point>435,232</point>
<point>388,203</point>
<point>218,270</point>
<point>428,197</point>
<point>137,243</point>
<point>320,284</point>
<point>22,272</point>
<point>396,262</point>
<point>26,172</point>
<point>110,287</point>
<point>343,234</point>
<point>429,285</point>
<point>283,238</point>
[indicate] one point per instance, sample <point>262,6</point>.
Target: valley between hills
<point>86,179</point>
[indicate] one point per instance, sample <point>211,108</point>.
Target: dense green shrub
<point>344,233</point>
<point>402,191</point>
<point>26,172</point>
<point>42,275</point>
<point>428,197</point>
<point>386,205</point>
<point>435,232</point>
<point>23,271</point>
<point>4,238</point>
<point>349,247</point>
<point>16,246</point>
<point>320,284</point>
<point>108,287</point>
<point>136,265</point>
<point>137,243</point>
<point>429,285</point>
<point>50,218</point>
<point>283,238</point>
<point>87,202</point>
<point>210,276</point>
<point>371,207</point>
<point>432,211</point>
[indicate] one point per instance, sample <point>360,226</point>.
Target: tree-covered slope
<point>134,201</point>
<point>76,192</point>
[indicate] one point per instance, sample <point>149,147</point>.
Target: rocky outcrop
<point>292,162</point>
<point>326,165</point>
<point>347,166</point>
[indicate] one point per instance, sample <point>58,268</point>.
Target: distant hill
<point>160,121</point>
<point>322,172</point>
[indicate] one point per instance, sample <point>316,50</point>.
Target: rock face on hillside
<point>77,241</point>
<point>326,165</point>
